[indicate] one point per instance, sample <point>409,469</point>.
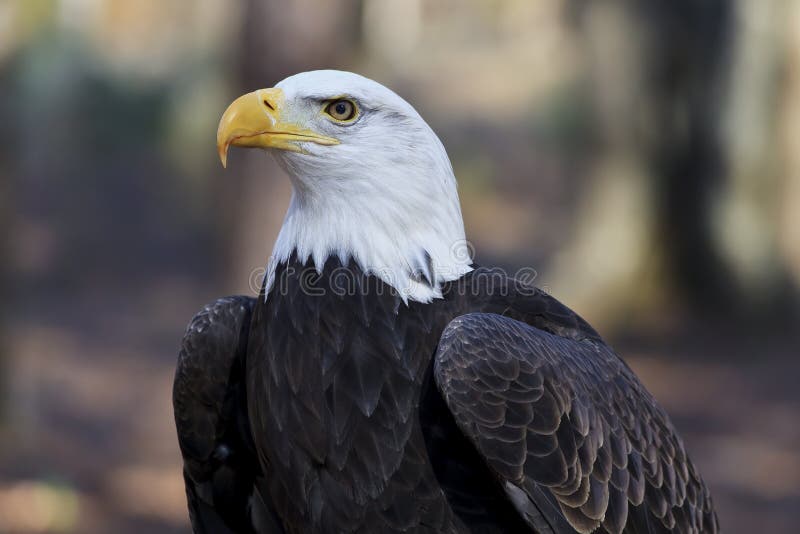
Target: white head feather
<point>385,196</point>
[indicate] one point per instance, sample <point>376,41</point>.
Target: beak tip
<point>223,155</point>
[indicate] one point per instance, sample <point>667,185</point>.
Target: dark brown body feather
<point>523,421</point>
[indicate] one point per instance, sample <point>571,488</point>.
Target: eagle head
<point>371,181</point>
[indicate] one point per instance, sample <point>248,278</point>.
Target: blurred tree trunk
<point>688,47</point>
<point>789,228</point>
<point>658,73</point>
<point>6,224</point>
<point>278,39</point>
<point>759,114</point>
<point>8,145</point>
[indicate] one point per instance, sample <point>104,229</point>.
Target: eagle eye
<point>342,110</point>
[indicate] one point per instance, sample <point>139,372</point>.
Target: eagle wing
<point>575,439</point>
<point>220,468</point>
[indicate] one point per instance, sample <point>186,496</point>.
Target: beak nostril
<point>269,105</point>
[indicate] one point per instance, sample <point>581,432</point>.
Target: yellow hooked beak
<point>254,120</point>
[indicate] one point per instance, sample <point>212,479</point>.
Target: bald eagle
<point>381,382</point>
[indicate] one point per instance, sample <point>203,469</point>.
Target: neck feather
<point>413,241</point>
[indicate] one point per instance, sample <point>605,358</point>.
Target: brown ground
<point>88,443</point>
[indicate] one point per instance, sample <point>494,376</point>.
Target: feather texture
<point>592,436</point>
<point>221,471</point>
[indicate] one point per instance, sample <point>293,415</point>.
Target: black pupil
<point>341,108</point>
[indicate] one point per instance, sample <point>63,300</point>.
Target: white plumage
<point>385,196</point>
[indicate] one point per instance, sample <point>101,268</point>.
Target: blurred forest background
<point>643,156</point>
